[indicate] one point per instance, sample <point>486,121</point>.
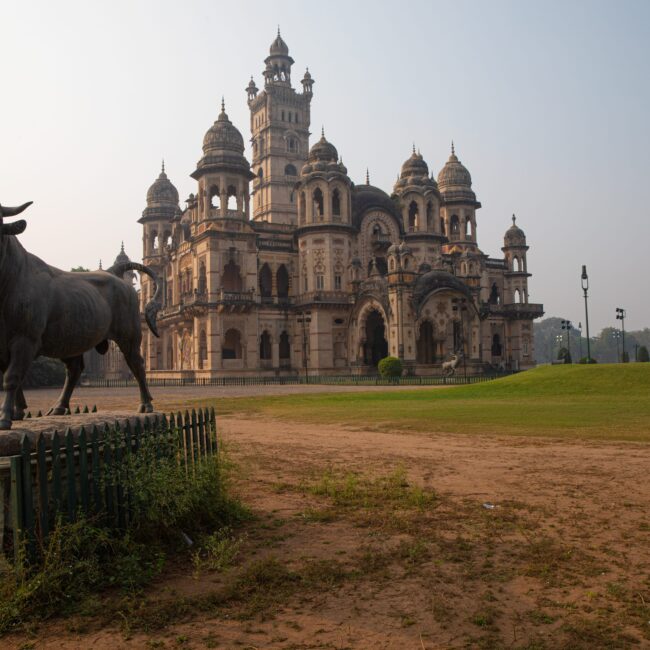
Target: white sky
<point>548,104</point>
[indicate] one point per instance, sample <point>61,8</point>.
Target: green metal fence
<point>75,473</point>
<point>341,380</point>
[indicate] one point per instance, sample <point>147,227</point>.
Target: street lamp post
<point>620,315</point>
<point>617,338</point>
<point>558,340</point>
<point>585,285</point>
<point>566,325</point>
<point>304,317</point>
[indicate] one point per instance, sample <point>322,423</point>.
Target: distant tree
<point>642,354</point>
<point>79,269</point>
<point>564,355</point>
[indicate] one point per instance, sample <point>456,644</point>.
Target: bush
<point>45,372</point>
<point>587,360</point>
<point>390,367</point>
<point>642,354</point>
<point>83,557</point>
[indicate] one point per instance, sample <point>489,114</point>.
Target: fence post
<point>97,493</point>
<point>213,429</point>
<point>17,521</point>
<point>196,441</point>
<point>43,498</point>
<point>83,470</point>
<point>56,473</point>
<point>70,475</point>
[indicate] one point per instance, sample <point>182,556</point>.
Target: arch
<point>429,215</point>
<point>231,348</point>
<point>515,264</point>
<point>266,353</point>
<point>468,227</point>
<point>426,345</point>
<point>375,347</point>
<point>285,346</point>
<point>231,279</point>
<point>454,226</point>
<point>336,203</point>
<point>203,279</point>
<point>282,282</point>
<point>517,296</point>
<point>442,226</point>
<point>215,197</point>
<point>232,198</point>
<point>290,170</point>
<point>495,298</point>
<point>497,348</point>
<point>266,281</point>
<point>203,349</point>
<point>302,207</point>
<point>318,203</point>
<point>413,216</point>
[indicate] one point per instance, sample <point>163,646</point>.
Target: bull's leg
<point>20,405</point>
<point>21,354</point>
<point>135,362</point>
<point>73,369</point>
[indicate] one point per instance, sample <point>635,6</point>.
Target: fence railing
<point>328,380</point>
<point>77,472</point>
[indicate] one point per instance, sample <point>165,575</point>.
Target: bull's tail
<point>155,304</point>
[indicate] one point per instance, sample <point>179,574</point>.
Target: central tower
<point>280,119</point>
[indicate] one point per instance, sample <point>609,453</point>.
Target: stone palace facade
<point>285,265</point>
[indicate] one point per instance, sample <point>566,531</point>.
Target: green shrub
<point>587,360</point>
<point>390,367</point>
<point>642,354</point>
<point>82,558</point>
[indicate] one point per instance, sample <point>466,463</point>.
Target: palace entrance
<point>376,346</point>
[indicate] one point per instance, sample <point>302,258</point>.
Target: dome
<point>323,150</point>
<point>162,191</point>
<point>223,135</point>
<point>514,236</point>
<point>122,257</point>
<point>414,166</point>
<point>279,47</point>
<point>366,197</point>
<point>454,173</point>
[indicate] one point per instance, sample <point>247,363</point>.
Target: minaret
<point>280,118</point>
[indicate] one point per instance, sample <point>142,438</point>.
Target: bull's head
<point>16,227</point>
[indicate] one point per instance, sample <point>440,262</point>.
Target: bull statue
<point>449,367</point>
<point>46,311</point>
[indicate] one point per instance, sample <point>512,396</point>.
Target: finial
<point>414,147</point>
<point>322,131</point>
<point>514,220</point>
<point>367,177</point>
<point>122,248</point>
<point>100,265</point>
<point>163,166</point>
<point>453,150</point>
<point>223,104</point>
<point>278,31</point>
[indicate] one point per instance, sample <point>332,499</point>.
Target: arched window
<point>290,170</point>
<point>413,216</point>
<point>515,264</point>
<point>231,279</point>
<point>266,281</point>
<point>265,346</point>
<point>454,226</point>
<point>336,203</point>
<point>291,145</point>
<point>494,298</point>
<point>442,226</point>
<point>318,204</point>
<point>429,215</point>
<point>231,348</point>
<point>426,345</point>
<point>497,348</point>
<point>203,280</point>
<point>215,197</point>
<point>283,116</point>
<point>232,198</point>
<point>285,348</point>
<point>282,282</point>
<point>203,349</point>
<point>517,296</point>
<point>302,209</point>
<point>468,226</point>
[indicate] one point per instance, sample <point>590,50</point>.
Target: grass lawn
<point>608,402</point>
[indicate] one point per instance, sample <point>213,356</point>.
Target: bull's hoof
<point>57,410</point>
<point>146,408</point>
<point>5,425</point>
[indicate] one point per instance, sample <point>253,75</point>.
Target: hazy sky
<point>548,104</point>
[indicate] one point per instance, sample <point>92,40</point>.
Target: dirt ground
<point>561,561</point>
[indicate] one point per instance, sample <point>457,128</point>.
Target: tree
<point>563,355</point>
<point>390,367</point>
<point>642,354</point>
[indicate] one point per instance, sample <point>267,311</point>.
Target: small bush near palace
<point>82,558</point>
<point>642,354</point>
<point>587,360</point>
<point>390,367</point>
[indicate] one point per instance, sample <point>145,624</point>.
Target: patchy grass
<point>607,402</point>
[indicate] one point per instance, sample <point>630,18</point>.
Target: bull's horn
<point>12,212</point>
<point>14,228</point>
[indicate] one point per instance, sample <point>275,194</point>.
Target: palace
<point>285,265</point>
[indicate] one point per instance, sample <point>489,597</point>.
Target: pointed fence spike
<point>86,409</point>
<point>94,409</point>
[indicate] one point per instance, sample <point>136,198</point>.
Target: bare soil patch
<point>561,561</point>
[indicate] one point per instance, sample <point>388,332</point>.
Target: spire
<point>322,131</point>
<point>122,248</point>
<point>279,31</point>
<point>414,147</point>
<point>163,166</point>
<point>453,151</point>
<point>514,220</point>
<point>223,104</point>
<point>100,265</point>
<point>367,177</point>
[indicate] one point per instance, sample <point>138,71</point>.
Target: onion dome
<point>122,257</point>
<point>454,179</point>
<point>223,135</point>
<point>162,192</point>
<point>514,236</point>
<point>414,172</point>
<point>162,199</point>
<point>279,47</point>
<point>323,151</point>
<point>223,148</point>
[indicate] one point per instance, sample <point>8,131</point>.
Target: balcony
<point>235,301</point>
<point>380,241</point>
<point>513,311</point>
<point>325,298</point>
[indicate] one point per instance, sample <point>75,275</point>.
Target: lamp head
<point>585,278</point>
